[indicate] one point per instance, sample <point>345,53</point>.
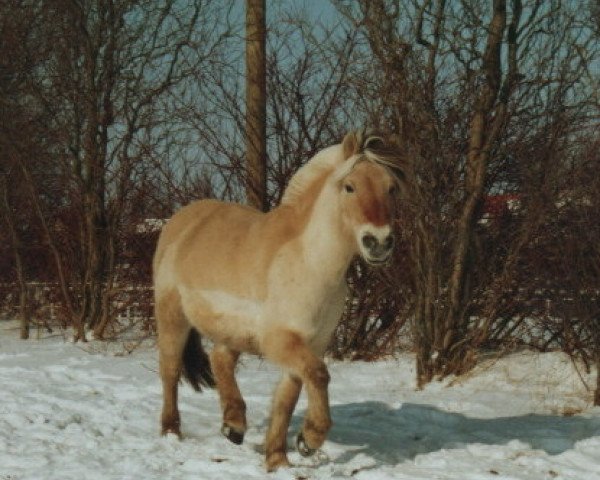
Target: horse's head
<point>367,188</point>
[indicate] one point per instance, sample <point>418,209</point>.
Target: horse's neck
<point>328,248</point>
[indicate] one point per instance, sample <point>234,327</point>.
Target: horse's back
<point>190,217</point>
<point>204,243</point>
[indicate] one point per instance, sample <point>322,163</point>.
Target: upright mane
<point>356,146</point>
<point>324,162</point>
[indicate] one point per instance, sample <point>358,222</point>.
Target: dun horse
<point>271,284</point>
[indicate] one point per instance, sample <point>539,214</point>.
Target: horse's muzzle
<point>377,252</point>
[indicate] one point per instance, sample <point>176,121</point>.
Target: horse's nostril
<point>369,241</point>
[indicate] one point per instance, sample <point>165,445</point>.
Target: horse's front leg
<point>290,351</point>
<point>284,402</point>
<point>223,361</point>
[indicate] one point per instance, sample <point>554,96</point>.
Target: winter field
<point>90,411</point>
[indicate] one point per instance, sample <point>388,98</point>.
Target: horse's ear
<point>351,145</point>
<point>373,142</point>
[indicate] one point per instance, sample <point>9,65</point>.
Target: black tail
<point>196,364</point>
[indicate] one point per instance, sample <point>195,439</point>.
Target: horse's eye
<point>349,188</point>
<point>392,190</point>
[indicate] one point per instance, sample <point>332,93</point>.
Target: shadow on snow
<point>391,436</point>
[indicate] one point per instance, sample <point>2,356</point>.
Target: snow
<point>74,411</point>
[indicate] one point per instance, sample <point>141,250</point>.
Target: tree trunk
<point>256,101</point>
<point>24,316</point>
<point>98,117</point>
<point>597,395</point>
<point>97,244</point>
<point>107,293</point>
<point>62,280</point>
<point>442,321</point>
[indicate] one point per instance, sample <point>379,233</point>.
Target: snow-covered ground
<point>89,412</point>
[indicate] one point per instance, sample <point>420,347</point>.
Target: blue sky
<point>317,10</point>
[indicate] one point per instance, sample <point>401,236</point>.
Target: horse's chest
<point>326,318</point>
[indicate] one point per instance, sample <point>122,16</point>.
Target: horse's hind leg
<point>173,330</point>
<point>223,361</point>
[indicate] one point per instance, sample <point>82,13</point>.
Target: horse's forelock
<point>386,154</point>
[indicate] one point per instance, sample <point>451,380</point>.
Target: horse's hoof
<point>231,434</point>
<point>277,460</point>
<point>172,436</point>
<point>302,446</point>
<point>170,429</point>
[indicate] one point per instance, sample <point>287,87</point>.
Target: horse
<point>272,284</point>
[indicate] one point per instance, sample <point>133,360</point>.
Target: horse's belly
<point>225,318</point>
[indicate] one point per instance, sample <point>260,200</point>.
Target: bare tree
<point>103,85</point>
<point>16,115</point>
<point>458,82</point>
